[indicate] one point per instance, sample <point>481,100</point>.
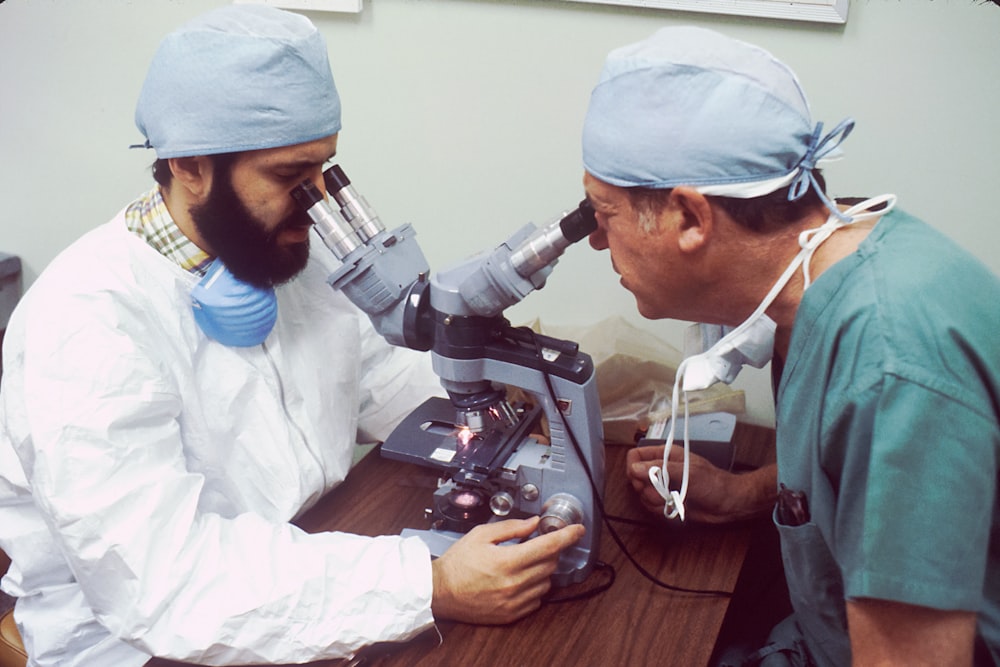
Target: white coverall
<point>148,474</point>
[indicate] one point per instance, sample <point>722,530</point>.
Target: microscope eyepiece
<point>306,194</point>
<point>336,232</point>
<point>355,208</point>
<point>579,223</point>
<point>335,179</point>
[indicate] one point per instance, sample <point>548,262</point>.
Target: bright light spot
<point>465,435</point>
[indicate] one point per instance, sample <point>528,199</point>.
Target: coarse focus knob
<point>559,511</point>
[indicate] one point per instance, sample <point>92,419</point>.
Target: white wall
<point>463,117</point>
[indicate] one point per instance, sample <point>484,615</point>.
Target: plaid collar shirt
<point>148,217</point>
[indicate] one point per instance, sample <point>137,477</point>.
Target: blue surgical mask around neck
<point>231,311</point>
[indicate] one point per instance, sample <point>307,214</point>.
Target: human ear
<point>696,218</point>
<point>194,174</point>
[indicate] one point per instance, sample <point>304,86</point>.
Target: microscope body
<point>495,459</point>
<point>489,448</point>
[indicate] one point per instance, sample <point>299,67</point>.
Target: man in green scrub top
<point>701,162</point>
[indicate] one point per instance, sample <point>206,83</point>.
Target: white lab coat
<point>148,474</point>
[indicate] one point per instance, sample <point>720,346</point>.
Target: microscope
<point>486,444</point>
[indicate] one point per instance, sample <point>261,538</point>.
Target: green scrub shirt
<point>887,419</point>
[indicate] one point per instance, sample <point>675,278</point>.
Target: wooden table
<point>633,623</point>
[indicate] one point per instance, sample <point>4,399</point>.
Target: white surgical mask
<point>752,342</point>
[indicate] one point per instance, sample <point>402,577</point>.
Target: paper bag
<point>635,374</point>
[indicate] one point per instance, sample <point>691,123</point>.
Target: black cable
<point>593,592</point>
<point>642,523</point>
<point>600,502</point>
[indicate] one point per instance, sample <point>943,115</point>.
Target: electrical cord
<point>608,568</point>
<point>600,502</point>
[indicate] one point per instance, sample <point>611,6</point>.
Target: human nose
<point>598,239</point>
<point>316,176</point>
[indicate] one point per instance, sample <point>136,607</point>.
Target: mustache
<point>295,220</point>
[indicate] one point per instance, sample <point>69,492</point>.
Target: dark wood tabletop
<point>634,622</point>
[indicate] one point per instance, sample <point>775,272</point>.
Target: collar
<point>149,218</point>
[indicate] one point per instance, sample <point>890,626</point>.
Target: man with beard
<point>243,241</point>
<point>181,383</point>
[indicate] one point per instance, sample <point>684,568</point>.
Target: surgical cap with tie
<point>690,106</point>
<point>238,78</point>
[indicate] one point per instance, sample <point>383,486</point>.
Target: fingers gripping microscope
<point>484,446</point>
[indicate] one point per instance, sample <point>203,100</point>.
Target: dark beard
<point>241,240</point>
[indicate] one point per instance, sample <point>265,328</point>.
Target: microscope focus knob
<point>559,511</point>
<point>530,492</point>
<point>501,503</point>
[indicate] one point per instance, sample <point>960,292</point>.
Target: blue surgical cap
<point>689,106</point>
<point>238,78</point>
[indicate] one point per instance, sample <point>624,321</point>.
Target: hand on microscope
<point>479,580</point>
<point>714,495</point>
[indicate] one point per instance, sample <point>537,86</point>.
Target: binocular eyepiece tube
<point>344,230</point>
<point>337,233</point>
<point>355,208</point>
<point>548,243</point>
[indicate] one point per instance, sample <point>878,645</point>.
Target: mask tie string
<point>809,241</point>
